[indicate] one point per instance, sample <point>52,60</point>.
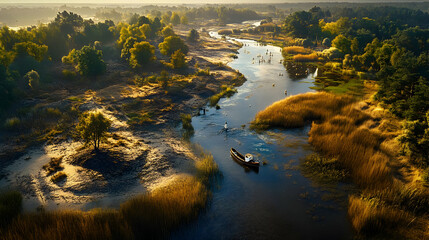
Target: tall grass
<point>306,57</point>
<point>226,91</point>
<point>298,110</point>
<point>296,50</point>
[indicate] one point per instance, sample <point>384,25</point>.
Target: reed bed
<point>296,50</point>
<point>299,110</point>
<point>313,57</point>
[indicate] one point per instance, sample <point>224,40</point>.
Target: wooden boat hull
<point>238,157</point>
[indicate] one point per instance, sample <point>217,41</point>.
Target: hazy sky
<point>186,1</point>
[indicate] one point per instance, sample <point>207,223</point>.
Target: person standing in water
<point>225,127</point>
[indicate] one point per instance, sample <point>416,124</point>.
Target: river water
<point>276,202</point>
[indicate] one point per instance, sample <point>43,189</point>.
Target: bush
<point>58,177</point>
<point>12,123</point>
<point>225,32</point>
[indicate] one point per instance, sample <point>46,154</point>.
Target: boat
<point>242,159</point>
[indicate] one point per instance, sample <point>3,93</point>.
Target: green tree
<point>354,46</point>
<point>129,43</point>
<point>342,43</point>
<point>164,79</point>
<point>167,32</point>
<point>88,61</point>
<point>172,44</point>
<point>178,60</point>
<point>33,79</point>
<point>142,53</point>
<point>193,35</point>
<point>92,128</point>
<point>184,20</point>
<point>175,19</point>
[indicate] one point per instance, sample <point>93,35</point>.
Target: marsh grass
<point>226,91</point>
<point>313,57</point>
<point>10,206</point>
<point>296,50</point>
<point>299,110</point>
<point>322,169</point>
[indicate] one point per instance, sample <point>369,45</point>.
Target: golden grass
<point>369,216</point>
<point>149,216</point>
<point>296,50</point>
<point>306,58</point>
<point>298,110</point>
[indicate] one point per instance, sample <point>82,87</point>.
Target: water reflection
<point>299,71</point>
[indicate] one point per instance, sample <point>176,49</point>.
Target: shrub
<point>54,165</point>
<point>92,128</point>
<point>225,32</point>
<point>12,123</point>
<point>58,177</point>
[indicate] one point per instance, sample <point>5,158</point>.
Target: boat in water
<point>246,160</point>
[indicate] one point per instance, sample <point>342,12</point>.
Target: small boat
<point>246,160</point>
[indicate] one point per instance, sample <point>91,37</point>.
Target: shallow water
<point>276,202</point>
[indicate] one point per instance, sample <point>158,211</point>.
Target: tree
<point>354,46</point>
<point>184,20</point>
<point>92,128</point>
<point>88,61</point>
<point>172,44</point>
<point>141,54</point>
<point>178,60</point>
<point>175,19</point>
<point>342,43</point>
<point>129,43</point>
<point>193,35</point>
<point>167,32</point>
<point>33,79</point>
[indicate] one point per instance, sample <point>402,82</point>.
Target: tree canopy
<point>92,128</point>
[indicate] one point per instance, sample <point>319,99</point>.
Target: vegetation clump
<point>226,91</point>
<point>92,128</point>
<point>58,177</point>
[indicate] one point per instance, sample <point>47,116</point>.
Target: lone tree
<point>178,59</point>
<point>92,128</point>
<point>193,35</point>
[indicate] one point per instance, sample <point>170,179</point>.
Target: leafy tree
<point>88,61</point>
<point>172,44</point>
<point>33,79</point>
<point>193,35</point>
<point>167,32</point>
<point>92,128</point>
<point>354,46</point>
<point>184,20</point>
<point>178,60</point>
<point>175,19</point>
<point>38,52</point>
<point>142,53</point>
<point>129,43</point>
<point>164,79</point>
<point>342,43</point>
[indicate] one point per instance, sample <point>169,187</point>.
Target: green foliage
<point>175,19</point>
<point>167,32</point>
<point>323,169</point>
<point>171,44</point>
<point>187,124</point>
<point>226,91</point>
<point>178,60</point>
<point>164,79</point>
<point>141,54</point>
<point>33,79</point>
<point>184,20</point>
<point>193,35</point>
<point>92,128</point>
<point>342,43</point>
<point>38,52</point>
<point>88,61</point>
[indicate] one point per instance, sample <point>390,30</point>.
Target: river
<point>276,202</point>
